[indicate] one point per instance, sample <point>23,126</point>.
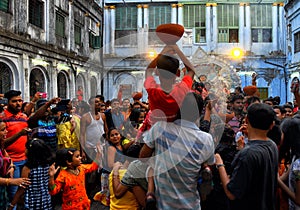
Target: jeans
<point>11,190</point>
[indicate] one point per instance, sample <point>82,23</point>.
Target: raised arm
<point>151,67</point>
<point>190,68</point>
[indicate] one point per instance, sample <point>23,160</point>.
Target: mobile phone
<point>3,101</point>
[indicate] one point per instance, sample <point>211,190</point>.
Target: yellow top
<point>66,139</point>
<point>128,201</point>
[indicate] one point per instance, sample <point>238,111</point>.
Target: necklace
<point>74,171</point>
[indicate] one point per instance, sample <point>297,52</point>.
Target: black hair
<point>64,155</point>
<point>191,107</point>
<point>287,105</point>
<point>276,100</point>
<point>12,93</point>
<point>228,135</point>
<point>38,153</point>
<point>281,109</point>
<point>252,100</point>
<point>260,116</point>
<point>166,65</point>
<point>236,97</point>
<point>101,97</point>
<point>133,151</point>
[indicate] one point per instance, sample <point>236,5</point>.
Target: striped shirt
<point>37,195</point>
<point>180,149</point>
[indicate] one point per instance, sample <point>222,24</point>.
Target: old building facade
<point>51,46</point>
<point>257,28</point>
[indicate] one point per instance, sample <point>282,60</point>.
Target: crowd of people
<point>161,154</point>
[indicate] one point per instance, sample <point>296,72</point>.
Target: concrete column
<point>242,24</point>
<point>281,29</point>
<point>174,13</point>
<point>146,25</point>
<point>180,21</point>
<point>214,26</point>
<point>247,30</point>
<point>275,26</point>
<point>112,28</point>
<point>180,14</point>
<point>26,75</point>
<point>139,17</point>
<point>140,28</point>
<point>70,28</point>
<point>106,35</point>
<point>85,38</point>
<point>50,22</point>
<point>208,23</point>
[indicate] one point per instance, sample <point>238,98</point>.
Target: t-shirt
<point>14,124</point>
<point>293,178</point>
<point>165,106</point>
<point>180,149</point>
<point>128,200</point>
<point>254,178</point>
<point>136,175</point>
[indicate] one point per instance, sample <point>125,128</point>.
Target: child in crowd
<point>71,179</point>
<point>165,99</point>
<point>114,154</point>
<point>39,159</point>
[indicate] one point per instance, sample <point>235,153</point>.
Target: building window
<point>62,85</point>
<point>228,23</point>
<point>94,41</point>
<point>261,22</point>
<point>60,25</point>
<point>263,92</point>
<point>126,25</point>
<point>36,13</point>
<point>297,42</point>
<point>4,5</point>
<point>160,14</point>
<point>77,34</point>
<point>194,18</point>
<point>6,78</point>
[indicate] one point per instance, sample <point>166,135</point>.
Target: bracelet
<point>7,181</point>
<point>11,205</point>
<point>220,165</point>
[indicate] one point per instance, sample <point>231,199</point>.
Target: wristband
<point>220,165</point>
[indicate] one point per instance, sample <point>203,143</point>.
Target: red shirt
<point>14,124</point>
<point>165,106</point>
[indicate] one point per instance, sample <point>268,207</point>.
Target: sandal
<point>150,201</point>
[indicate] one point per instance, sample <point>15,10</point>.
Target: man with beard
<point>16,125</point>
<point>237,108</point>
<point>92,127</point>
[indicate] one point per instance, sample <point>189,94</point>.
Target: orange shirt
<point>14,124</point>
<point>73,187</point>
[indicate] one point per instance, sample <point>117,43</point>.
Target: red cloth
<point>79,95</point>
<point>14,124</point>
<point>165,106</point>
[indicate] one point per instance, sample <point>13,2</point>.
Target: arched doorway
<point>62,85</point>
<point>80,84</point>
<point>93,86</point>
<point>6,78</point>
<point>37,82</point>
